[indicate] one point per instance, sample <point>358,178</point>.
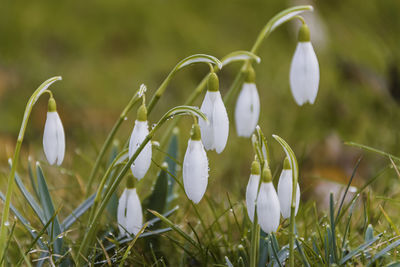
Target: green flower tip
<point>196,134</point>
<point>130,182</point>
<point>286,164</point>
<point>52,105</point>
<point>255,168</point>
<point>142,113</point>
<point>213,82</point>
<point>304,33</point>
<point>250,75</point>
<point>266,175</point>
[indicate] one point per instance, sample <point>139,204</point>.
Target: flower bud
<point>247,110</point>
<point>285,190</point>
<point>195,167</point>
<point>304,70</point>
<point>53,136</point>
<point>214,133</point>
<point>268,209</point>
<point>252,188</point>
<point>129,214</point>
<point>142,163</point>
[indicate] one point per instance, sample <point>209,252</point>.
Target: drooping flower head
<point>142,163</point>
<point>195,167</point>
<point>268,209</point>
<point>304,70</point>
<point>285,190</point>
<point>247,110</point>
<point>214,133</point>
<point>53,136</point>
<point>129,214</point>
<point>252,188</point>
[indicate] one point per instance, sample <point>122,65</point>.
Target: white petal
<point>220,124</point>
<point>121,213</point>
<point>285,193</point>
<point>247,110</point>
<point>60,141</point>
<point>195,171</point>
<point>142,163</point>
<point>304,74</point>
<point>134,215</point>
<point>207,107</point>
<point>50,143</point>
<point>251,194</point>
<point>268,210</point>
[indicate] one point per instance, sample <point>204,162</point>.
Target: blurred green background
<point>105,49</point>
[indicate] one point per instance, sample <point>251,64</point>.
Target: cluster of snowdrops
<point>210,131</point>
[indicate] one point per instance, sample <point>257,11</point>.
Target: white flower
<point>304,70</point>
<point>251,194</point>
<point>195,168</point>
<point>285,191</point>
<point>142,163</point>
<point>214,133</point>
<point>129,215</point>
<point>54,138</point>
<point>268,210</point>
<point>247,110</point>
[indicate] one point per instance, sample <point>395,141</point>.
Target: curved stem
<point>279,19</point>
<point>109,140</point>
<point>10,184</point>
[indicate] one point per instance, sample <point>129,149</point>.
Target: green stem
<point>109,140</point>
<point>10,184</point>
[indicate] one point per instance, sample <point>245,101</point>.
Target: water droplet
<point>125,118</point>
<point>7,223</point>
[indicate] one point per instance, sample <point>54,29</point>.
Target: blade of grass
<point>347,188</point>
<point>131,245</point>
<point>382,252</point>
<point>177,229</point>
<point>358,250</point>
<point>78,212</point>
<point>392,225</point>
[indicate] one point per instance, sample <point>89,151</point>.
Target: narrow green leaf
<point>78,212</point>
<point>177,229</point>
<point>126,254</point>
<point>374,150</point>
<point>158,198</point>
<point>302,255</point>
<point>24,222</point>
<point>383,252</point>
<point>333,227</point>
<point>369,233</point>
<point>358,250</point>
<point>54,228</point>
<point>32,178</point>
<point>173,151</point>
<point>29,198</point>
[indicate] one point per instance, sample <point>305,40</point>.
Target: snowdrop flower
<point>129,214</point>
<point>252,188</point>
<point>304,70</point>
<point>195,167</point>
<point>247,108</point>
<point>53,136</point>
<point>214,133</point>
<point>285,190</point>
<point>268,209</point>
<point>141,129</point>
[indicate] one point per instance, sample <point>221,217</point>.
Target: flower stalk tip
<point>304,33</point>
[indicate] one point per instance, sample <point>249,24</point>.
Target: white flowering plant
<point>260,230</point>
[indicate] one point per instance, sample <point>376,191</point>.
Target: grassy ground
<point>105,50</point>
